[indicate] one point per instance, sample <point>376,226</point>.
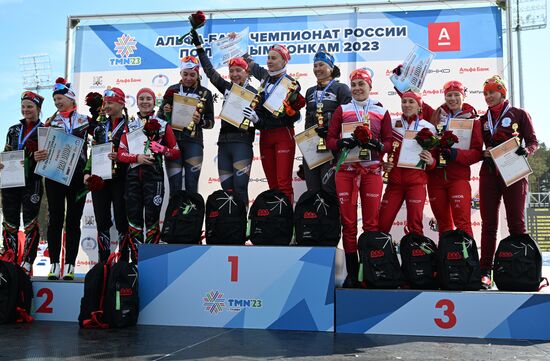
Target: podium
<point>283,288</point>
<point>482,314</point>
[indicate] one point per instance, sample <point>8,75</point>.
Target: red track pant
<point>451,203</point>
<point>491,190</point>
<point>415,197</point>
<point>277,148</point>
<point>350,184</point>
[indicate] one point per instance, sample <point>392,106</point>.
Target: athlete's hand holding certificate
<point>182,111</point>
<point>12,173</point>
<point>512,167</point>
<point>238,99</point>
<point>462,128</point>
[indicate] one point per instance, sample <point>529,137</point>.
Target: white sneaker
<point>68,272</point>
<point>27,267</point>
<point>55,270</point>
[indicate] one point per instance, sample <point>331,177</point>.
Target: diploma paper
<point>136,141</point>
<point>13,173</point>
<point>512,167</point>
<point>462,128</point>
<point>414,71</point>
<point>227,48</point>
<point>347,131</point>
<point>307,143</point>
<point>238,99</point>
<point>63,154</point>
<point>276,98</point>
<point>409,155</point>
<point>182,111</point>
<point>101,164</point>
<point>43,133</point>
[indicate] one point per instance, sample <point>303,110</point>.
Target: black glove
<point>449,154</point>
<point>322,132</point>
<point>397,70</point>
<point>521,151</point>
<point>374,144</point>
<point>195,38</point>
<point>348,143</point>
<point>301,173</point>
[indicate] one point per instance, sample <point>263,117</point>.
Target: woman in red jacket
<point>449,185</point>
<point>364,177</point>
<point>500,123</point>
<point>405,184</point>
<point>145,180</point>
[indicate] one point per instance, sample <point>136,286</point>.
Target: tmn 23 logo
<point>215,302</point>
<point>125,46</point>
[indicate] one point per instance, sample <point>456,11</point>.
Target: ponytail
<point>335,72</point>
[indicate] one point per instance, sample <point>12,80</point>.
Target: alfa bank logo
<point>444,36</point>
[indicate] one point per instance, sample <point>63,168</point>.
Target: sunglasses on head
<point>29,95</point>
<point>109,93</point>
<point>59,86</point>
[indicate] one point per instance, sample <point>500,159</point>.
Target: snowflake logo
<point>214,302</point>
<point>125,45</point>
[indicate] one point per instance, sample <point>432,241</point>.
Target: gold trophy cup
<point>321,146</point>
<point>391,156</point>
<point>440,127</point>
<point>515,127</point>
<point>200,108</point>
<point>291,89</point>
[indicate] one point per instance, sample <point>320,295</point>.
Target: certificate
<point>136,141</point>
<point>275,100</point>
<point>353,155</point>
<point>237,99</point>
<point>229,47</point>
<point>182,111</point>
<point>414,71</point>
<point>512,167</point>
<point>13,173</point>
<point>101,164</point>
<point>63,154</point>
<point>409,155</point>
<point>462,128</point>
<point>307,143</point>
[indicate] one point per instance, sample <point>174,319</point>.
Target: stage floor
<point>61,340</point>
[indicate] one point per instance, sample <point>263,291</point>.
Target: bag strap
<point>23,316</point>
<point>544,279</point>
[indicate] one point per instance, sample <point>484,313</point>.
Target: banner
<point>136,55</point>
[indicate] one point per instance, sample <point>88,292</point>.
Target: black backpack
<point>15,291</point>
<point>93,300</point>
<point>110,295</point>
<point>518,264</point>
<point>271,219</point>
<point>225,218</point>
<point>183,219</point>
<point>419,261</point>
<point>317,219</point>
<point>121,308</point>
<point>458,262</point>
<point>379,263</point>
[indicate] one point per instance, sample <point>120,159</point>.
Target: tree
<point>539,180</point>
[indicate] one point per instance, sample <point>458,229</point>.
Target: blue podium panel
<point>57,300</point>
<point>444,313</point>
<point>286,288</point>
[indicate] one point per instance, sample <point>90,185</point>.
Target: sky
<point>38,26</point>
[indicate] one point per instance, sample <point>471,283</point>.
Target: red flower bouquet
<point>447,140</point>
<point>299,102</point>
<point>151,128</point>
<point>427,140</point>
<point>95,183</point>
<point>363,135</point>
<point>94,100</point>
<point>197,20</point>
